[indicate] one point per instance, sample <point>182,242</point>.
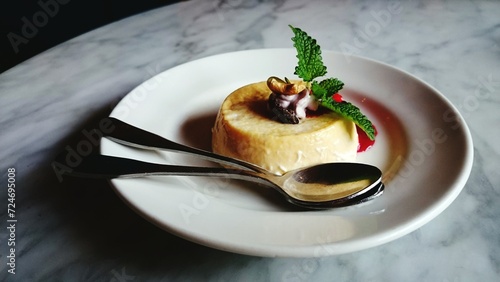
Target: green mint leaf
<point>310,63</point>
<point>350,112</point>
<point>310,66</point>
<point>326,87</point>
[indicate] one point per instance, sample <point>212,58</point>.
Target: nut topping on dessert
<point>279,86</point>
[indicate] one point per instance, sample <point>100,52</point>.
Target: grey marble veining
<point>78,230</point>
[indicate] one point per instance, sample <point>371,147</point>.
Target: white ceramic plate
<point>424,149</point>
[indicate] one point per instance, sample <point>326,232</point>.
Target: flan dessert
<point>245,129</point>
<point>282,125</point>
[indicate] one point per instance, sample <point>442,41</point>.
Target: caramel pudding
<point>244,129</point>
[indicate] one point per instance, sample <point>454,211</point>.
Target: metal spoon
<point>322,186</point>
<point>129,135</point>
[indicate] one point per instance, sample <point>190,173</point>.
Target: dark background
<point>69,19</point>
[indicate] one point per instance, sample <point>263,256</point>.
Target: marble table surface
<point>79,230</point>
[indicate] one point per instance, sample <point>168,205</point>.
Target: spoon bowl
<point>332,181</point>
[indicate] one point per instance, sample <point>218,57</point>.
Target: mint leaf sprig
<point>323,93</point>
<point>310,66</point>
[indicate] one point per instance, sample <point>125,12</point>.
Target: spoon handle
<point>109,167</point>
<point>129,135</point>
